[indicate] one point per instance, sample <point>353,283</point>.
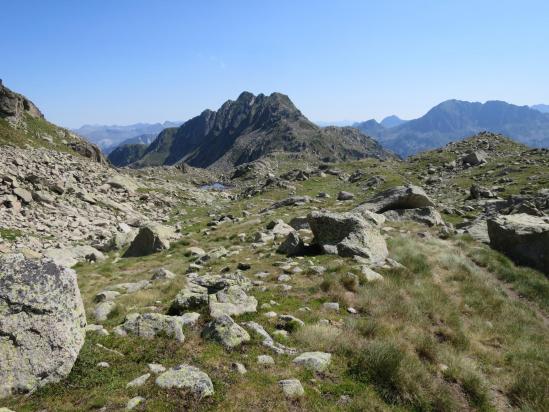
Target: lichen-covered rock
<point>292,388</point>
<point>149,325</point>
<point>226,331</point>
<point>347,234</point>
<point>186,377</point>
<point>42,323</point>
<point>524,238</point>
<point>232,301</point>
<point>70,256</point>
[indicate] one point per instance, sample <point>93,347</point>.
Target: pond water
<point>214,186</point>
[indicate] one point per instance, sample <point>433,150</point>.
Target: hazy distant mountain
<point>454,119</point>
<point>371,127</point>
<point>144,139</point>
<point>338,123</point>
<point>544,108</point>
<point>392,121</point>
<point>108,137</point>
<point>252,127</point>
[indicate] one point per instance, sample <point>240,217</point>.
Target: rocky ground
<point>364,285</point>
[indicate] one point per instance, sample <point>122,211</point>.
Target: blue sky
<point>124,61</point>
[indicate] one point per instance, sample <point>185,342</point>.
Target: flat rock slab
<point>149,325</point>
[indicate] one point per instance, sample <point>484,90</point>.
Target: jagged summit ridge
<point>251,127</point>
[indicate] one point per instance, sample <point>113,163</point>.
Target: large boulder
<point>524,238</point>
<point>347,234</point>
<point>427,215</point>
<point>42,323</point>
<point>150,239</point>
<point>475,158</point>
<point>399,197</point>
<point>293,245</point>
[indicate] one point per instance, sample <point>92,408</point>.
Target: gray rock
<point>149,325</point>
<point>331,306</point>
<point>226,331</point>
<point>292,388</point>
<point>163,274</point>
<point>192,296</point>
<point>370,275</point>
<point>268,340</point>
<point>314,361</point>
<point>139,381</point>
<point>103,310</point>
<point>522,237</point>
<point>400,197</point>
<point>345,196</point>
<point>106,295</point>
<point>24,195</point>
<point>426,215</point>
<point>69,257</point>
<point>150,239</point>
<point>265,360</point>
<point>292,246</point>
<point>186,377</point>
<point>475,158</point>
<point>299,223</point>
<point>134,402</point>
<point>156,368</point>
<point>42,323</point>
<point>348,234</point>
<point>232,301</point>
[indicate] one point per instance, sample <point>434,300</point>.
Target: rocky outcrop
<point>149,325</point>
<point>347,234</point>
<point>42,323</point>
<point>524,238</point>
<point>13,106</point>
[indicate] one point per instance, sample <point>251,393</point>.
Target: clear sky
<point>124,61</point>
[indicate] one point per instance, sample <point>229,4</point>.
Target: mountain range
<point>454,119</point>
<point>544,108</point>
<point>108,137</point>
<point>252,127</point>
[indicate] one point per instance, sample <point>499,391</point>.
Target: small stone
<point>134,402</point>
<point>140,381</point>
<point>240,368</point>
<point>292,388</point>
<point>103,365</point>
<point>186,377</point>
<point>314,361</point>
<point>265,360</point>
<point>352,311</point>
<point>331,306</point>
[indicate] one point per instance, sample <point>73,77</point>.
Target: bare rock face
<point>524,238</point>
<point>347,234</point>
<point>13,105</point>
<point>399,197</point>
<point>42,323</point>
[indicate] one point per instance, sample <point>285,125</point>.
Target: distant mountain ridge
<point>107,137</point>
<point>544,108</point>
<point>251,127</point>
<point>455,119</point>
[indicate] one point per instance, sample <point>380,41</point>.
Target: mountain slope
<point>126,154</point>
<point>250,128</point>
<point>22,124</point>
<point>392,121</point>
<point>454,119</point>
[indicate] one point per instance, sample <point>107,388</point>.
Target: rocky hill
<point>454,119</point>
<point>251,127</point>
<point>22,124</point>
<point>126,154</point>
